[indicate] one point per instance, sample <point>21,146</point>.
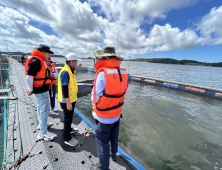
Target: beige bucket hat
<point>106,53</point>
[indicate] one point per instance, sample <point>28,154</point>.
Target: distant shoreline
<point>149,60</point>
<point>174,61</point>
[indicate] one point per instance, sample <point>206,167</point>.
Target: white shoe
<point>49,124</point>
<point>47,136</point>
<point>72,142</point>
<point>54,110</point>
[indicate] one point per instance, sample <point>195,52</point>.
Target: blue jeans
<point>43,110</point>
<point>106,133</point>
<point>52,96</point>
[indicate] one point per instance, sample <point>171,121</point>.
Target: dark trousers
<point>52,96</point>
<point>68,115</point>
<point>106,133</point>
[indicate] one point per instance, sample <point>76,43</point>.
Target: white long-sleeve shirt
<point>29,80</point>
<point>55,74</point>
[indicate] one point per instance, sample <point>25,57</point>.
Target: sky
<point>179,29</point>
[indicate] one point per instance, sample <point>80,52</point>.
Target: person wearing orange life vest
<point>38,80</point>
<point>110,86</point>
<point>54,74</point>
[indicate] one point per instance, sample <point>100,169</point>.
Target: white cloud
<point>166,38</point>
<point>18,32</point>
<point>160,38</point>
<point>127,16</point>
<point>118,23</point>
<point>138,10</point>
<point>211,27</point>
<point>65,17</point>
<point>72,30</point>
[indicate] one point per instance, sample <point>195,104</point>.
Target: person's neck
<point>71,68</point>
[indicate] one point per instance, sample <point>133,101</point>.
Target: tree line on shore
<point>150,60</point>
<point>174,61</point>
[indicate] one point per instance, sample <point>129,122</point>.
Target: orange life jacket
<point>42,77</point>
<point>52,69</point>
<point>110,104</point>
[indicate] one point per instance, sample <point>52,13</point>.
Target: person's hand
<point>29,92</point>
<point>51,74</point>
<point>69,105</point>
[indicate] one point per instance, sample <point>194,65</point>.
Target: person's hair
<point>42,51</point>
<point>68,61</point>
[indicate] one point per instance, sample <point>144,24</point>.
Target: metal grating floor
<point>23,113</point>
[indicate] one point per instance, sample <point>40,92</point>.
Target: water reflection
<point>164,128</point>
<point>84,75</point>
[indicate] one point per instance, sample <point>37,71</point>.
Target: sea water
<point>168,129</point>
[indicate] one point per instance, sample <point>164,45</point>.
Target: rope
<point>21,150</point>
<point>23,158</point>
<point>27,103</point>
<point>88,132</point>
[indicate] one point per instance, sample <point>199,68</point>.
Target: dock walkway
<point>22,134</point>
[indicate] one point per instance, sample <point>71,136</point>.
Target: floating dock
<point>21,135</point>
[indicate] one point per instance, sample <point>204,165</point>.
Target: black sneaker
<point>113,158</point>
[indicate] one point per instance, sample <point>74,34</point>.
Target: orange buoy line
<point>180,86</point>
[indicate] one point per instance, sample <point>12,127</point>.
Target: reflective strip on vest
<point>123,72</point>
<point>111,71</point>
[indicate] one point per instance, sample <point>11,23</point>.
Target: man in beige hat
<point>108,94</point>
